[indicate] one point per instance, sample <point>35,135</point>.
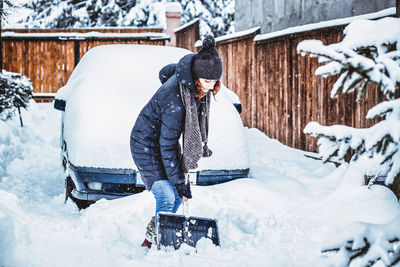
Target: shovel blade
<point>173,230</point>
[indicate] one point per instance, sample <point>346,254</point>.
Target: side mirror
<point>59,104</point>
<point>238,107</point>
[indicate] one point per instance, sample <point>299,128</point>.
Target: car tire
<point>69,186</point>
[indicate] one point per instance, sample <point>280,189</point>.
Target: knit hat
<point>207,63</point>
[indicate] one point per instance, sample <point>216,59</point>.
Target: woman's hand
<point>184,191</point>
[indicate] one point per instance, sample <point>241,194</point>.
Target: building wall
<point>273,15</point>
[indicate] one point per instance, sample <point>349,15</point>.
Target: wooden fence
<point>48,57</point>
<point>188,34</point>
<point>290,95</point>
<point>279,90</point>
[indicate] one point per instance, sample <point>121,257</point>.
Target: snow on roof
<point>186,25</point>
<point>84,35</point>
<point>173,7</point>
<point>324,24</point>
<point>231,36</point>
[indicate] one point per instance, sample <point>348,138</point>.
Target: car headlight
<point>95,185</point>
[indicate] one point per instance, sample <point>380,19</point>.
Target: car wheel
<point>69,186</point>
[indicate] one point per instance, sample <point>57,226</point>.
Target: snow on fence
<point>278,88</point>
<point>49,56</point>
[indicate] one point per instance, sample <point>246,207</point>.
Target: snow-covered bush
<point>215,16</point>
<point>15,92</point>
<point>369,54</point>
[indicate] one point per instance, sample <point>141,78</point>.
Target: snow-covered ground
<point>280,216</point>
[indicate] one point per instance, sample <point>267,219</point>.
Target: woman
<point>180,106</point>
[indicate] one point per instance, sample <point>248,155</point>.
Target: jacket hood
<point>182,70</point>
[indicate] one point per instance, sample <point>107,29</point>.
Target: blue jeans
<point>166,195</point>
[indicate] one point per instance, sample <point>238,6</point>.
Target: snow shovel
<point>173,229</point>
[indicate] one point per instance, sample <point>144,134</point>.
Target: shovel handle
<point>185,208</point>
<point>185,204</point>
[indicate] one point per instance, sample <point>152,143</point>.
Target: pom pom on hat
<point>207,63</point>
<point>208,42</point>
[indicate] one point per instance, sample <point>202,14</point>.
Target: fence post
<point>173,13</point>
<point>398,8</point>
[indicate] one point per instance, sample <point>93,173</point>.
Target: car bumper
<point>118,183</point>
<point>94,196</point>
<point>115,183</point>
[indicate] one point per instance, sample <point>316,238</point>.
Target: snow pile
<point>281,216</point>
<point>6,232</point>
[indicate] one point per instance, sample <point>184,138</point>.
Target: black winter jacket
<point>155,136</point>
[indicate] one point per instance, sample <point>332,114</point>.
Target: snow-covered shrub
<point>369,54</point>
<point>15,92</point>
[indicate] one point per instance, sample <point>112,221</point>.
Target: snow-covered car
<point>100,103</point>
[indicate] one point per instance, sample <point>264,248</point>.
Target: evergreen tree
<point>369,54</point>
<point>76,13</point>
<point>215,16</point>
<point>373,58</point>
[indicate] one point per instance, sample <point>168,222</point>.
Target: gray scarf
<point>196,129</point>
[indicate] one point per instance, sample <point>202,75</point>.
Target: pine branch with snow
<point>15,92</point>
<point>364,244</point>
<point>4,3</point>
<point>369,54</point>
